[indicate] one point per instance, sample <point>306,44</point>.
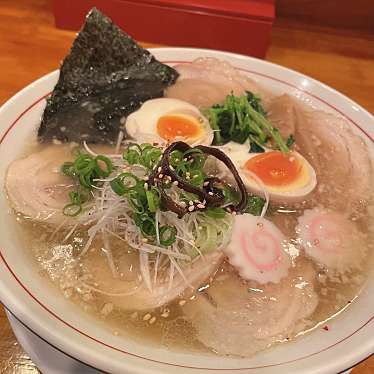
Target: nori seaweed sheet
<point>106,76</point>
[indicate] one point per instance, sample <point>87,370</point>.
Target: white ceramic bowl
<point>351,335</point>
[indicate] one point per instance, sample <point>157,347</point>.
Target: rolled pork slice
<point>128,290</point>
<point>36,187</point>
<point>237,317</point>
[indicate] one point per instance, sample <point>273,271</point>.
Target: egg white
<point>294,192</point>
<point>142,124</point>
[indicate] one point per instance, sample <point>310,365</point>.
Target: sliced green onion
<point>230,194</point>
<point>176,157</point>
<point>255,205</point>
<point>146,225</point>
<point>168,235</point>
<point>197,177</point>
<point>68,169</point>
<point>84,164</point>
<point>136,204</point>
<point>72,209</point>
<point>150,156</point>
<point>153,200</point>
<point>217,213</point>
<point>123,183</point>
<point>85,180</point>
<point>108,166</point>
<point>75,197</point>
<point>132,154</point>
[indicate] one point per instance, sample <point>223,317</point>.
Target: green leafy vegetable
<point>168,235</point>
<point>255,102</point>
<point>290,141</point>
<point>255,205</point>
<point>242,119</point>
<point>255,148</point>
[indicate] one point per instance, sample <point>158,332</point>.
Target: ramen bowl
<point>38,306</point>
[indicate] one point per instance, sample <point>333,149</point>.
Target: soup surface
<point>139,248</point>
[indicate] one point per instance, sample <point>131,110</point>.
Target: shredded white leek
<point>110,214</point>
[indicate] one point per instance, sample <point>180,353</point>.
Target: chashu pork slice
<point>237,317</point>
<point>36,187</point>
<point>128,291</point>
<point>207,81</point>
<point>339,156</point>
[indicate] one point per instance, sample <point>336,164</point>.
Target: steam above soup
<point>217,218</point>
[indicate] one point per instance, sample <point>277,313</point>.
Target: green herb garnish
<point>242,119</point>
<point>255,205</point>
<point>87,170</point>
<point>290,141</point>
<point>144,155</point>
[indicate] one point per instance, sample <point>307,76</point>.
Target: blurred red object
<point>241,26</point>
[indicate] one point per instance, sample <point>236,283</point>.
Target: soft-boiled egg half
<point>288,177</point>
<point>167,120</point>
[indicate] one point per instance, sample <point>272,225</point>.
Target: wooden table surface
<point>30,46</point>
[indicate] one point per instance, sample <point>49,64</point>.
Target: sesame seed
<point>190,202</point>
<point>171,167</point>
<point>206,184</point>
<point>182,204</point>
<point>144,240</point>
<point>152,320</point>
<point>201,206</point>
<point>185,159</point>
<point>147,317</point>
<point>165,313</point>
<point>191,208</point>
<point>176,183</point>
<point>234,213</point>
<point>167,181</point>
<point>146,186</point>
<point>182,302</point>
<point>161,176</point>
<point>159,169</point>
<point>210,193</point>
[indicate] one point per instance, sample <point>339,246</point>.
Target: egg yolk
<point>275,168</point>
<point>170,127</point>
